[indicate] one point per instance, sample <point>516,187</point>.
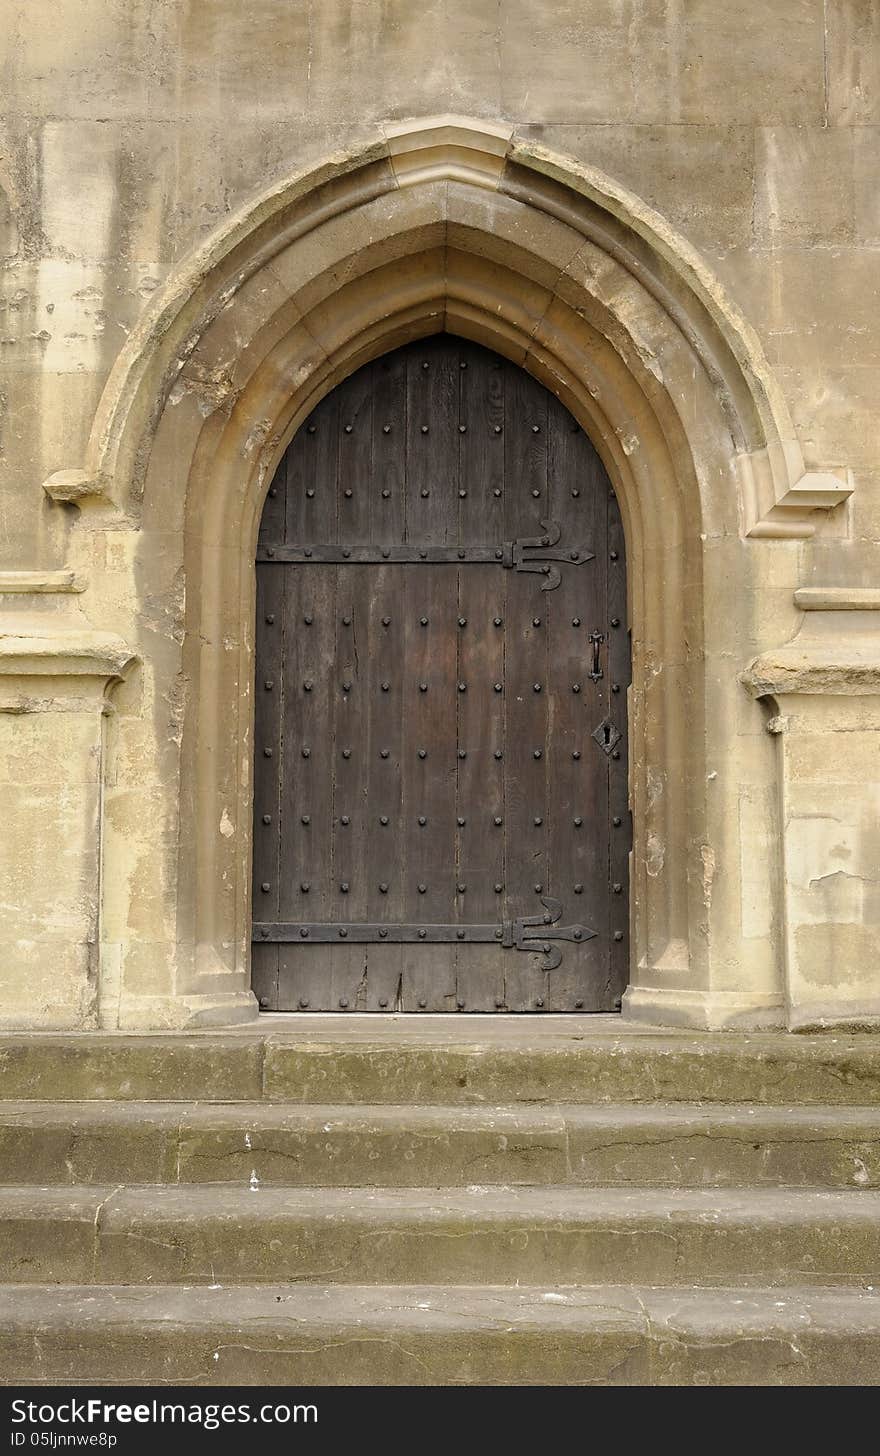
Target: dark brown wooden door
<point>440,800</point>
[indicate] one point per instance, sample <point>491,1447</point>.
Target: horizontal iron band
<point>529,559</point>
<point>508,935</point>
<point>374,932</point>
<point>530,933</point>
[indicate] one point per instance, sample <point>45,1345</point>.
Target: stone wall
<point>135,136</point>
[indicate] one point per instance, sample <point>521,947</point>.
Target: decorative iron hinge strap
<point>534,553</point>
<point>529,932</point>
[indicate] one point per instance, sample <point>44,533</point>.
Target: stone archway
<point>458,226</point>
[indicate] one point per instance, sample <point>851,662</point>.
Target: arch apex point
<point>447,127</point>
<point>448,147</point>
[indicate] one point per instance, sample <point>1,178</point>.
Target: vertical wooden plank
<point>429,752</point>
<point>268,687</point>
<point>578,786</point>
<point>346,740</point>
<point>386,647</point>
<point>352,695</point>
<point>480,780</point>
<point>310,674</point>
<point>619,835</point>
<point>526,695</point>
<point>383,747</point>
<point>388,489</point>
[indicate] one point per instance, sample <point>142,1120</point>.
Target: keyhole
<point>606,729</point>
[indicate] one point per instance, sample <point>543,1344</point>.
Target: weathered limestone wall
<point>132,130</point>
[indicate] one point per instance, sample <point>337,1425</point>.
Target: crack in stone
<point>96,1239</point>
<point>773,1143</point>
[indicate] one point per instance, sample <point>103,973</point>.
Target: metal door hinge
<point>532,553</point>
<point>528,932</point>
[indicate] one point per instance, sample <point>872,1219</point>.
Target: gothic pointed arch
<point>457,226</point>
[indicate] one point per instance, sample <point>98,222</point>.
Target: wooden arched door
<point>440,778</point>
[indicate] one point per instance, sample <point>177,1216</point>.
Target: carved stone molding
<point>838,598</point>
<point>63,653</point>
<point>812,666</point>
<point>26,583</point>
<point>779,497</point>
<point>829,653</point>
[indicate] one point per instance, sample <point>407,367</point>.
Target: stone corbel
<point>79,488</point>
<point>780,498</point>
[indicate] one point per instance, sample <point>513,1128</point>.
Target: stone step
<point>651,1144</point>
<point>430,1335</point>
<point>452,1060</point>
<point>197,1234</point>
<point>75,1066</point>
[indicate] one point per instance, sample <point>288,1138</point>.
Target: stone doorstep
<point>451,1236</point>
<point>477,1060</point>
<point>424,1335</point>
<point>239,1144</point>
